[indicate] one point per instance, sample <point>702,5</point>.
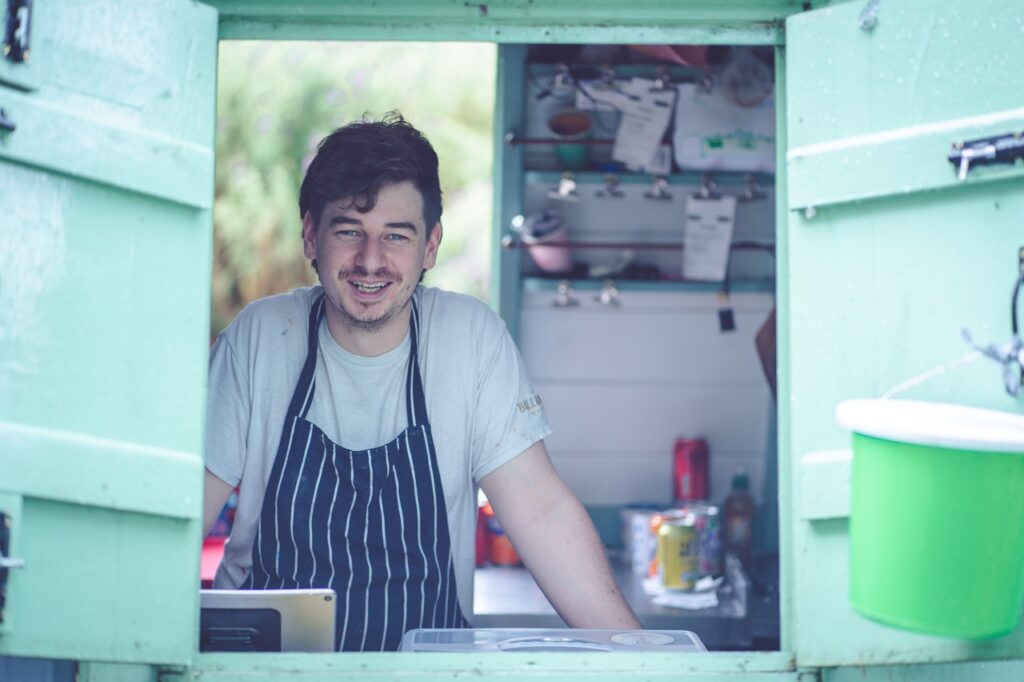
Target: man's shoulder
<point>279,314</point>
<point>442,307</point>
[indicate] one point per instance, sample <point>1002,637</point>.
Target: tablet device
<point>266,620</point>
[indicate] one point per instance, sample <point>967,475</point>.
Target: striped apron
<point>371,524</point>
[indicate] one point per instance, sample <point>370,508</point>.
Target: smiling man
<point>359,416</point>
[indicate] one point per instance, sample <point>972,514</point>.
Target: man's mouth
<point>369,287</point>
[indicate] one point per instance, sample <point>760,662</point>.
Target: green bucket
<point>936,516</point>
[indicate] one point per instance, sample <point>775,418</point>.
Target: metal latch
<point>1008,148</point>
<point>6,562</point>
<point>17,21</point>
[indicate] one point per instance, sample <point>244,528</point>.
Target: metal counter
<point>507,597</point>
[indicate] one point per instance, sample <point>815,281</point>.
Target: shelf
<point>722,178</point>
<point>621,69</point>
<point>509,242</point>
<point>531,283</point>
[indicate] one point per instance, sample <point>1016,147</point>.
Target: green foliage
<point>276,100</point>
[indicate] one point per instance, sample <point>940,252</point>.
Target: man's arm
<point>554,536</point>
<point>215,494</point>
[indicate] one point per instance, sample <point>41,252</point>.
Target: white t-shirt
<point>481,407</point>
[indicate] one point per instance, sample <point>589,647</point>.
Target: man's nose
<point>370,255</point>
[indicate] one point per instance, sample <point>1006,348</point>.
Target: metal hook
<point>609,294</point>
<point>566,188</point>
<point>662,79</point>
<point>659,189</point>
<point>611,187</point>
<point>607,78</point>
<point>564,296</point>
<point>751,189</point>
<point>708,188</point>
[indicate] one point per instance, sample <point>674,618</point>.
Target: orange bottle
<point>738,517</point>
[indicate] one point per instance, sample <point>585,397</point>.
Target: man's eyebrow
<point>349,220</point>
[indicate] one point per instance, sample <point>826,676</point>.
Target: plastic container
<point>544,234</point>
<point>530,640</point>
<point>738,517</point>
<point>571,126</point>
<point>936,516</point>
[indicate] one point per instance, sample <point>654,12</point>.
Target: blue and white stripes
<point>371,524</point>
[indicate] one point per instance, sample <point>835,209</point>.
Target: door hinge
<point>6,562</point>
<point>1007,148</point>
<point>17,22</point>
<point>6,122</point>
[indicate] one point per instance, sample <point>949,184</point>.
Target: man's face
<point>370,263</point>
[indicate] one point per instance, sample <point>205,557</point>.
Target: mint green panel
<point>889,257</point>
<point>510,21</point>
<point>988,671</point>
<point>544,667</point>
<point>106,188</point>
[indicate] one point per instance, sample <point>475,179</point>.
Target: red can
<point>483,544</point>
<point>690,470</point>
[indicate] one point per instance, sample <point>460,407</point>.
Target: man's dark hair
<point>357,160</point>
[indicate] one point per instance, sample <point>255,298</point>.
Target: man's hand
<point>215,494</point>
<point>553,534</point>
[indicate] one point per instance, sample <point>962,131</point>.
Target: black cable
<point>1013,304</point>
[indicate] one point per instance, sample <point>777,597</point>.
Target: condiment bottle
<point>738,516</point>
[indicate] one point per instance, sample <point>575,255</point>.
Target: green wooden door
<point>106,188</point>
<point>889,256</point>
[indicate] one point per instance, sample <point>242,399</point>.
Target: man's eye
<point>395,237</point>
<point>346,234</point>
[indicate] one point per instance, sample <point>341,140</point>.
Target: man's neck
<point>368,343</point>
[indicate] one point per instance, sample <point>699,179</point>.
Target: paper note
<point>660,163</point>
<point>601,97</point>
<point>707,237</point>
<point>646,112</point>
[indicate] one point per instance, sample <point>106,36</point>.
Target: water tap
<point>1010,355</point>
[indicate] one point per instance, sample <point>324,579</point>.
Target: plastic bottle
<point>738,516</point>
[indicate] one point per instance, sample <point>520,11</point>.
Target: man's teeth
<point>370,288</point>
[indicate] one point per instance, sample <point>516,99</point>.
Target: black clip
<point>17,21</point>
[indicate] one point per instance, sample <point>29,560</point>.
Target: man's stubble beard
<point>370,326</point>
<point>376,324</point>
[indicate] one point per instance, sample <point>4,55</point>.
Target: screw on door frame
<point>868,18</point>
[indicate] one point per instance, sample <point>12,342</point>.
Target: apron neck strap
<point>303,396</point>
<point>416,402</point>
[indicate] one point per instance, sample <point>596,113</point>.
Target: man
<point>357,418</point>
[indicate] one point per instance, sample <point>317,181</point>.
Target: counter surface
<point>507,596</point>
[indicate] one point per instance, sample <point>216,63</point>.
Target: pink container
<point>546,254</point>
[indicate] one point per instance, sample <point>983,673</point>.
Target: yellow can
<point>678,553</point>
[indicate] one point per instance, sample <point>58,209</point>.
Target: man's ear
<point>433,243</point>
<point>308,236</point>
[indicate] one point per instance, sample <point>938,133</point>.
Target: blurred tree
<point>277,100</point>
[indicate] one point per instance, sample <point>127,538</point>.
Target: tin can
<point>637,541</point>
<point>709,529</point>
<point>690,470</point>
<point>657,519</point>
<point>678,559</point>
